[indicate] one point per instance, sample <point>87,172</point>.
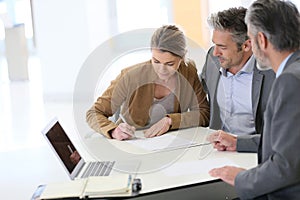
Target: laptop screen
<point>63,146</point>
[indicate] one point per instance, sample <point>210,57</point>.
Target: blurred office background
<point>61,34</point>
<point>43,44</point>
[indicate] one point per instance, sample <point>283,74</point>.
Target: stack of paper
<point>163,142</point>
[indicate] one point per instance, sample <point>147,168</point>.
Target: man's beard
<point>262,67</point>
<point>263,63</point>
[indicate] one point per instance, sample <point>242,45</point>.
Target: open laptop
<point>73,163</point>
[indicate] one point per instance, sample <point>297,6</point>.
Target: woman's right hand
<point>123,132</point>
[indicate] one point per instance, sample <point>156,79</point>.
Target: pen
<point>70,149</point>
<point>123,119</point>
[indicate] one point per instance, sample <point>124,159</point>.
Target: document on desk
<point>163,142</point>
<point>197,166</point>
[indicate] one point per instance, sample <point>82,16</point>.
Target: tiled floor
<point>25,158</point>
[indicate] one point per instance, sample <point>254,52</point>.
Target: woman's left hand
<point>159,128</point>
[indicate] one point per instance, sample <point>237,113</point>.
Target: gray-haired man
<point>274,30</point>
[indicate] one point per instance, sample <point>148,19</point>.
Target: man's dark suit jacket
<point>278,176</point>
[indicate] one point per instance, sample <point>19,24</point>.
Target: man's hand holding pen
<point>223,141</point>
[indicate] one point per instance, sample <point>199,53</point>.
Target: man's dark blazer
<point>278,176</point>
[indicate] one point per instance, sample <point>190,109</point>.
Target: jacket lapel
<point>293,58</point>
<point>256,85</point>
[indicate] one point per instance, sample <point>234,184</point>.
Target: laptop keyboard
<point>100,168</point>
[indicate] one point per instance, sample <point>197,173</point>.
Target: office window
<point>216,5</point>
<point>3,11</point>
<point>135,14</point>
<point>23,16</point>
<point>297,3</point>
<point>131,15</point>
<point>13,12</point>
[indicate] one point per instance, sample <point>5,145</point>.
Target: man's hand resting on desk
<point>159,128</point>
<point>226,173</point>
<point>223,141</point>
<point>123,131</point>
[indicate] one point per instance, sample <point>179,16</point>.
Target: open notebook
<point>92,187</point>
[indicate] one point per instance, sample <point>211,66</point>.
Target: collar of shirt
<point>282,65</point>
<point>247,68</point>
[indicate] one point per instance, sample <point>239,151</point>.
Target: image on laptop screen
<point>63,147</point>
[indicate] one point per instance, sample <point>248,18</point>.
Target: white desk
<point>164,170</point>
<point>172,174</point>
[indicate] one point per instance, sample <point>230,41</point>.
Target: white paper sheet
<point>163,142</point>
<point>196,167</point>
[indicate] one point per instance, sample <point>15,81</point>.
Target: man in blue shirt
<point>238,91</point>
<point>273,27</point>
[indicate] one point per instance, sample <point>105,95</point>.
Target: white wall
<point>66,32</point>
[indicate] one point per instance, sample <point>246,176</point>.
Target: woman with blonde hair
<point>158,95</point>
